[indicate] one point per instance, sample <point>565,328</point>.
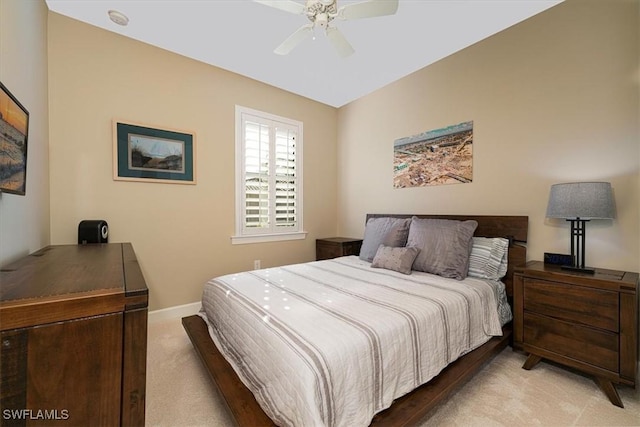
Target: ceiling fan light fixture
<point>322,20</point>
<point>321,13</point>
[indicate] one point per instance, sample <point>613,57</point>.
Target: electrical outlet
<point>256,264</point>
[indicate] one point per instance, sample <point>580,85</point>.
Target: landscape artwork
<point>435,157</point>
<point>155,153</point>
<point>14,126</point>
<point>145,153</point>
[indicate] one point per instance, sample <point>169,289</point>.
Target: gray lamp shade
<point>584,200</point>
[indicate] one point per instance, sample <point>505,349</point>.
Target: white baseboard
<point>176,312</point>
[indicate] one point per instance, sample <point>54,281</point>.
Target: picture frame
<point>149,154</point>
<point>14,132</point>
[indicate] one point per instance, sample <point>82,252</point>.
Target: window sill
<point>261,238</point>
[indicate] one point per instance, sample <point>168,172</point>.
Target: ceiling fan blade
<point>286,5</point>
<point>368,9</point>
<point>339,42</point>
<point>294,39</point>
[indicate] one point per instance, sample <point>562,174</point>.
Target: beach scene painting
<point>435,157</point>
<point>14,126</point>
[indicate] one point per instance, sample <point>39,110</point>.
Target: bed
<point>362,340</point>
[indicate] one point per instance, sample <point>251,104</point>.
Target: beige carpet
<point>180,393</point>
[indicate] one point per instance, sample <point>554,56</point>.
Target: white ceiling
<point>240,35</point>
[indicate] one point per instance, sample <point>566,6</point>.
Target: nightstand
<point>333,247</point>
<point>585,321</point>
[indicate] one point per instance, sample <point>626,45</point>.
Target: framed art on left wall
<point>14,128</point>
<point>144,153</point>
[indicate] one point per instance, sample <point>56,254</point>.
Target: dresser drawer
<point>586,306</point>
<point>593,346</point>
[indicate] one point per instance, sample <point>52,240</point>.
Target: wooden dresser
<point>586,321</point>
<point>73,322</point>
<point>333,247</point>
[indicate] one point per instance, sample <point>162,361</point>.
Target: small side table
<point>333,247</point>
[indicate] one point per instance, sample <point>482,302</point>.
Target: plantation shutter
<point>271,195</point>
<point>285,175</point>
<point>256,157</point>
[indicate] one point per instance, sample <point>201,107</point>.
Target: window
<point>268,177</point>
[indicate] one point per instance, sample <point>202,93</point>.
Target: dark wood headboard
<point>514,228</point>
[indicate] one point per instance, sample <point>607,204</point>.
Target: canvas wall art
<point>435,157</point>
<point>14,128</point>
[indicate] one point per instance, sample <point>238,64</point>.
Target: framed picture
<point>435,157</point>
<point>14,127</point>
<point>143,153</point>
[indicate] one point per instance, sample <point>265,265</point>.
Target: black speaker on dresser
<point>93,231</point>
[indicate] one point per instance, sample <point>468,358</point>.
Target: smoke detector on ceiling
<point>118,17</point>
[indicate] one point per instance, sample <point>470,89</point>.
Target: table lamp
<point>579,202</point>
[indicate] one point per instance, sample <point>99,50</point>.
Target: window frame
<point>242,234</point>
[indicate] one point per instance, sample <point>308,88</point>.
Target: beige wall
<point>181,233</point>
<point>553,99</point>
<point>24,220</point>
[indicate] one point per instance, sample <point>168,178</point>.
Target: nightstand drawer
<point>586,306</point>
<point>593,346</point>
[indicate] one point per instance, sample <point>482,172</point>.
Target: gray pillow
<point>383,230</point>
<point>396,259</point>
<point>444,245</point>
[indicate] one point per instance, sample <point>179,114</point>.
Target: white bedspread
<point>331,343</point>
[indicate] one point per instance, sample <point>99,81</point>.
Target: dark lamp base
<point>585,270</point>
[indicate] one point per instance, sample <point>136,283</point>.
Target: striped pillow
<point>488,259</point>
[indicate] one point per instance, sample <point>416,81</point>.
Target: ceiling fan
<point>321,13</point>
